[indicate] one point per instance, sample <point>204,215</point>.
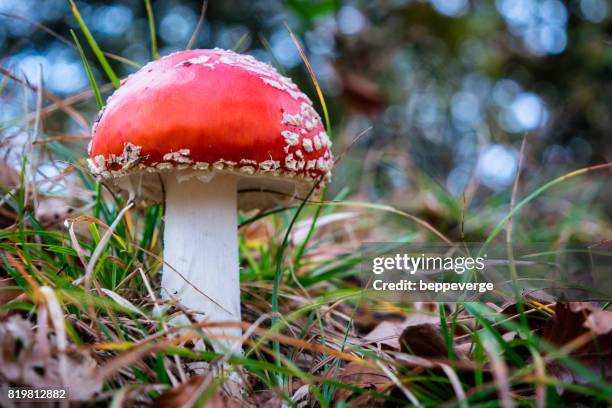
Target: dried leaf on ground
<point>26,362</point>
<point>179,396</point>
<point>388,332</point>
<point>536,319</point>
<point>572,320</point>
<point>267,399</point>
<point>365,377</point>
<point>423,340</point>
<point>184,395</point>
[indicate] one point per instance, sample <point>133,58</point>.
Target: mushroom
<point>208,132</point>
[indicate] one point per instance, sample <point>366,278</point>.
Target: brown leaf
<point>25,361</point>
<point>183,396</point>
<point>365,377</point>
<point>535,319</point>
<point>423,340</point>
<point>575,318</point>
<point>367,319</point>
<point>268,399</point>
<point>572,320</point>
<point>221,401</point>
<point>179,396</point>
<point>388,332</point>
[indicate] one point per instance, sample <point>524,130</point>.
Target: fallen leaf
<point>183,396</point>
<point>423,340</point>
<point>301,395</point>
<point>365,377</point>
<point>388,332</point>
<point>26,362</point>
<point>268,399</point>
<point>180,395</point>
<point>572,320</point>
<point>220,401</point>
<point>536,319</point>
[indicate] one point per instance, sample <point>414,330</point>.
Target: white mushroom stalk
<point>201,269</point>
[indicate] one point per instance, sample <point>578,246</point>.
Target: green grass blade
<point>151,19</point>
<point>502,224</point>
<point>511,354</point>
<point>446,333</point>
<point>300,250</point>
<point>279,266</point>
<point>94,46</point>
<point>90,75</point>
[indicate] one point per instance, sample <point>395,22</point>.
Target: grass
<point>94,46</point>
<point>37,259</point>
<point>97,280</point>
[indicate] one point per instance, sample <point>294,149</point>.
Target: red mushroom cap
<point>210,110</point>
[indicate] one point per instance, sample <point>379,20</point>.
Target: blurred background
<point>447,88</point>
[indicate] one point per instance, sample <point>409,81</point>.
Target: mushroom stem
<point>201,244</point>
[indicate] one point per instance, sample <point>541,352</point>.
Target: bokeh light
<point>497,165</point>
<point>452,98</point>
<point>542,24</point>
